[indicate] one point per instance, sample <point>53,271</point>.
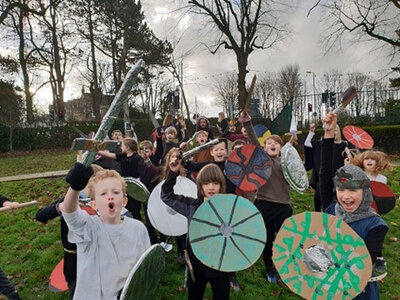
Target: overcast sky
<point>303,48</point>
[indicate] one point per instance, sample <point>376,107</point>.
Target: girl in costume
<point>202,123</point>
<point>373,163</point>
<point>210,181</point>
<point>353,205</point>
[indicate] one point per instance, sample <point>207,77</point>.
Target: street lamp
<point>313,84</point>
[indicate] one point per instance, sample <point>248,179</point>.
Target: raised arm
<point>245,119</point>
<point>77,177</point>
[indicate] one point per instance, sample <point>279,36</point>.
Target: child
<point>373,163</point>
<point>202,123</point>
<point>53,211</point>
<point>173,155</point>
<point>205,155</point>
<point>181,129</point>
<point>108,245</point>
<point>169,141</point>
<point>223,124</point>
<point>210,181</point>
<point>273,198</point>
<point>130,163</point>
<point>312,154</point>
<point>106,162</point>
<point>353,205</point>
<point>6,288</point>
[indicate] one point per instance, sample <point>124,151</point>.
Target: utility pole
<point>313,84</point>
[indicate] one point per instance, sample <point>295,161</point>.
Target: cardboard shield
<point>384,198</point>
<point>227,233</point>
<point>136,189</point>
<point>57,282</point>
<point>293,168</point>
<point>162,217</point>
<point>145,277</point>
<point>248,167</point>
<point>319,256</point>
<point>358,137</point>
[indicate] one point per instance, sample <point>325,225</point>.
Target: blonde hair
<point>130,143</point>
<point>102,175</point>
<point>171,130</point>
<point>165,169</point>
<point>382,161</point>
<point>207,174</point>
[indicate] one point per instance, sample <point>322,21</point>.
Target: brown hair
<point>276,138</point>
<point>207,174</point>
<point>382,161</point>
<point>104,174</point>
<point>146,144</point>
<point>165,169</point>
<point>168,119</point>
<point>130,143</point>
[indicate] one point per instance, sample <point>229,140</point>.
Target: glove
<point>79,176</point>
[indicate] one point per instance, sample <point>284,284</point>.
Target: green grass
<point>30,250</point>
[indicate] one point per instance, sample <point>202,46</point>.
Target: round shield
<point>319,256</point>
<point>358,137</point>
<point>262,133</point>
<point>227,233</point>
<point>57,282</point>
<point>384,198</point>
<point>164,218</point>
<point>136,189</point>
<point>248,167</point>
<point>293,168</point>
<point>145,277</point>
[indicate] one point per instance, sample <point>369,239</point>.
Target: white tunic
<point>106,253</point>
<point>379,178</point>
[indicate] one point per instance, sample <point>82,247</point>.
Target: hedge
<point>386,137</point>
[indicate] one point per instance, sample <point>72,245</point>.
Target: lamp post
<point>313,84</point>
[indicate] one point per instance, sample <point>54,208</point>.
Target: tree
<point>242,27</point>
<point>365,20</point>
<point>8,6</point>
<point>11,106</point>
<point>227,92</point>
<point>266,91</point>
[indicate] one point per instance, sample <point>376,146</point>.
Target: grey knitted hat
<point>353,177</point>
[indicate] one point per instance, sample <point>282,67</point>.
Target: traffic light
<point>176,101</point>
<point>169,97</point>
<point>325,97</point>
<point>309,107</point>
<point>332,99</point>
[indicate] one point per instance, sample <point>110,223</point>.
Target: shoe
<point>181,259</point>
<point>272,278</point>
<point>380,266</point>
<point>234,284</point>
<point>167,247</point>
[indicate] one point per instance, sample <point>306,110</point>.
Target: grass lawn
<point>30,250</point>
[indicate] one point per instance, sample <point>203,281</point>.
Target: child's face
<point>123,148</point>
<point>170,136</point>
<point>145,151</point>
<point>175,156</point>
<point>218,152</point>
<point>349,199</point>
<point>244,132</point>
<point>272,148</point>
<point>117,136</point>
<point>369,165</point>
<point>210,189</point>
<point>201,138</point>
<point>203,123</point>
<point>109,200</point>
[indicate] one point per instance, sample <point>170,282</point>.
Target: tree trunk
<point>242,63</point>
<point>24,68</point>
<point>95,88</point>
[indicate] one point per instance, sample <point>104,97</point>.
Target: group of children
<point>109,244</point>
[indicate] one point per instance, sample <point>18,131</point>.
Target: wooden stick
<point>6,208</point>
<point>248,100</point>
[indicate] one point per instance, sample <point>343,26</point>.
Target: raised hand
<point>78,176</point>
